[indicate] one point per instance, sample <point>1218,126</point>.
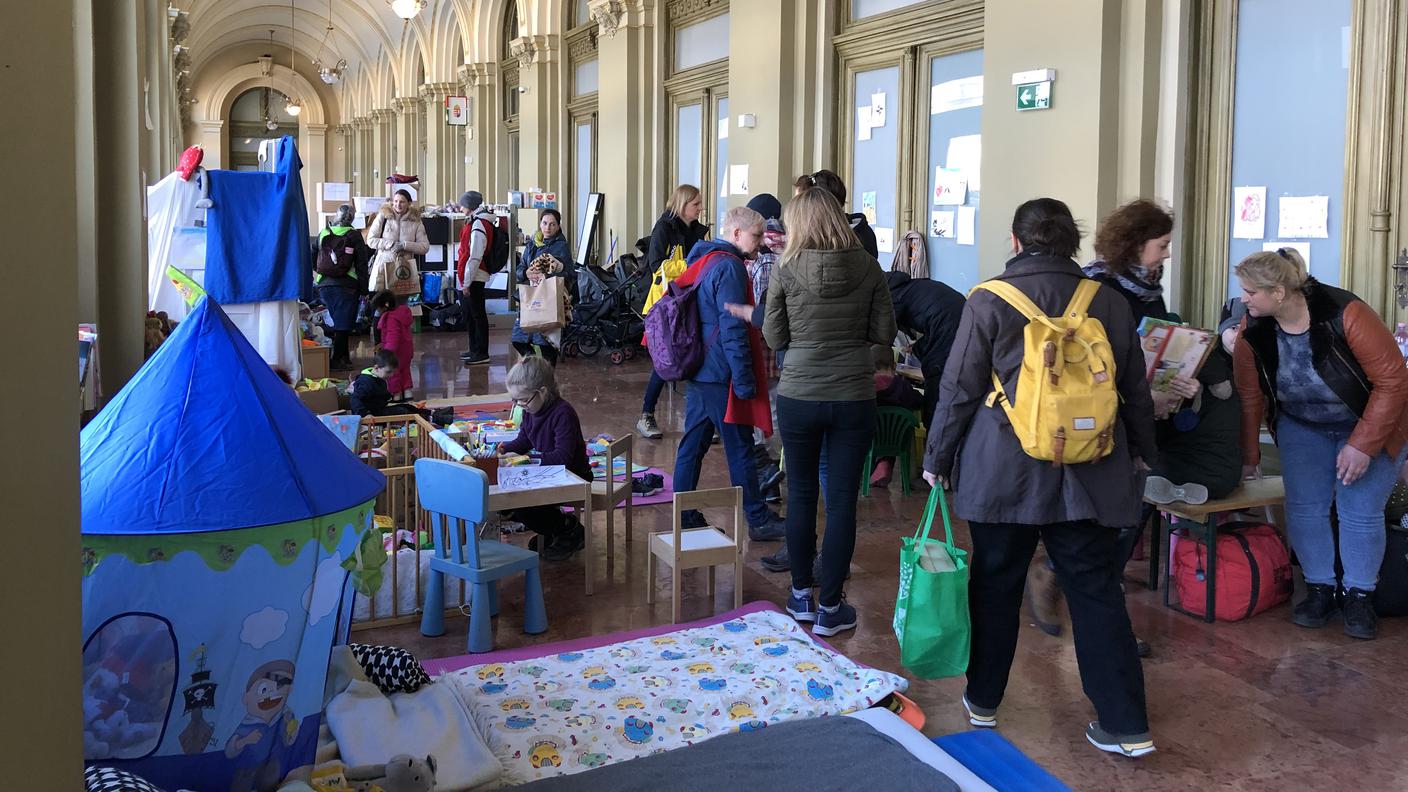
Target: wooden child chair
<point>608,492</point>
<point>683,548</point>
<point>456,498</point>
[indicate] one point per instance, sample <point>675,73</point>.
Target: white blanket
<point>372,727</point>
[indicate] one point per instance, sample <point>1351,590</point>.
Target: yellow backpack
<point>1066,403</point>
<point>670,268</point>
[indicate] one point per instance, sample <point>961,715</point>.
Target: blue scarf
<point>1135,281</point>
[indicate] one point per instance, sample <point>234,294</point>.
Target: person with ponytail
<point>1012,500</point>
<point>1324,371</point>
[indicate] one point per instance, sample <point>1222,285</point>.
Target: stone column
<point>362,168</point>
<point>628,98</point>
<point>481,138</point>
<point>541,114</point>
<point>340,169</point>
<point>313,147</point>
<point>383,120</point>
<point>408,112</point>
<point>46,103</point>
<point>767,89</point>
<point>438,182</point>
<point>122,237</point>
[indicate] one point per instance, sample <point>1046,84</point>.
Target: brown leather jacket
<point>1352,351</point>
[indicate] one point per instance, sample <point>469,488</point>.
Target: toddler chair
<point>683,548</point>
<point>894,437</point>
<point>456,498</point>
<point>608,492</point>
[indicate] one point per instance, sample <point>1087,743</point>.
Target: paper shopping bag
<point>931,611</point>
<point>542,307</point>
<point>402,276</point>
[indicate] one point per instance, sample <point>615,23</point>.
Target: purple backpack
<point>673,329</point>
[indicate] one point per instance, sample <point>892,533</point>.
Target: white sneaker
<point>1162,491</point>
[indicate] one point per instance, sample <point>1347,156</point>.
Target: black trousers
<point>547,521</point>
<point>1083,554</point>
<point>476,319</point>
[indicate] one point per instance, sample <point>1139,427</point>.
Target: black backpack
<point>495,247</point>
<point>336,255</point>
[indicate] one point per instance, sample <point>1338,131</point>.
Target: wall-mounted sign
<point>457,110</point>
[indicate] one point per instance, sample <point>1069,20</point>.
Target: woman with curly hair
<point>1132,245</point>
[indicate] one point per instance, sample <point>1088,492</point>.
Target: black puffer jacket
<point>930,309</point>
<point>670,230</point>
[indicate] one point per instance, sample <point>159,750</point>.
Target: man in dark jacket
<point>728,364</point>
<point>929,310</point>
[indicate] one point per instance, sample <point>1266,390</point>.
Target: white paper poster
<point>941,224</point>
<point>1301,247</point>
<point>885,240</point>
<point>956,95</point>
<point>723,129</point>
<point>950,189</point>
<point>967,218</point>
<point>1303,216</point>
<point>877,109</point>
<point>1248,212</point>
<point>738,179</point>
<point>965,155</point>
<point>863,118</point>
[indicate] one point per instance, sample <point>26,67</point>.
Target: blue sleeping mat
<point>995,760</point>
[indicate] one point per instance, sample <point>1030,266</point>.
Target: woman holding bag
<point>546,255</point>
<point>1011,500</point>
<point>398,236</point>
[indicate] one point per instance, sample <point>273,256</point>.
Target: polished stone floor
<point>1256,705</point>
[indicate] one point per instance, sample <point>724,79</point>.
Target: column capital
<point>383,114</point>
<point>473,75</point>
<point>211,126</point>
<point>437,91</point>
<point>343,129</point>
<point>406,104</point>
<point>540,48</point>
<point>316,129</point>
<point>607,15</point>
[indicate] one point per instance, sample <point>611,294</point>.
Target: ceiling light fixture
<point>329,74</point>
<point>269,122</point>
<point>407,9</point>
<point>292,108</point>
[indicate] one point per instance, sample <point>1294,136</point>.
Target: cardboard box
<point>368,204</point>
<point>331,195</point>
<point>316,361</point>
<point>411,187</point>
<point>320,401</point>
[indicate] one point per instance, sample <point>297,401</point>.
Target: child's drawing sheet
<point>535,477</point>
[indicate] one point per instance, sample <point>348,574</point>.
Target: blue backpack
<point>674,330</point>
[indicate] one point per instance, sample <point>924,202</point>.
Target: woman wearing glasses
<point>552,434</point>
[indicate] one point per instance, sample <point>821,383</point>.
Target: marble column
<point>313,148</point>
<point>627,96</point>
<point>362,168</point>
<point>485,169</point>
<point>383,128</point>
<point>541,113</point>
<point>438,182</point>
<point>408,113</point>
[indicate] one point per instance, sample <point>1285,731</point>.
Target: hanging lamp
<point>293,108</point>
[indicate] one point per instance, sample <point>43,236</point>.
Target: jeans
<point>839,432</point>
<point>653,389</point>
<point>704,406</point>
<point>476,319</point>
<point>1082,554</point>
<point>1308,466</point>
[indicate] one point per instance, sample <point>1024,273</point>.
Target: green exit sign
<point>1034,96</point>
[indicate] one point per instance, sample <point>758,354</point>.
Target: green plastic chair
<point>894,437</point>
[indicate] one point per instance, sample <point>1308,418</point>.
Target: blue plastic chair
<point>457,497</point>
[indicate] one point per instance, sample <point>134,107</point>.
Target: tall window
<point>697,92</point>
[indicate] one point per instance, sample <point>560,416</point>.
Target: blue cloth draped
<point>257,234</point>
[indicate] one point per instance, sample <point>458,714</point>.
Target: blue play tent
<point>224,528</point>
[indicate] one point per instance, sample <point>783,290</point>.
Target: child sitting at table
<point>553,433</point>
<point>394,326</point>
<point>370,395</point>
<point>891,390</point>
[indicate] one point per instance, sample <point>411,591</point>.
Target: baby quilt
<point>575,711</point>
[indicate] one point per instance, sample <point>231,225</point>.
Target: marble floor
<point>1255,705</point>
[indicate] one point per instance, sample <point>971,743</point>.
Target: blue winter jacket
<point>727,355</point>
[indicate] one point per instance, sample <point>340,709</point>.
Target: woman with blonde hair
<point>1326,374</point>
<point>827,304</point>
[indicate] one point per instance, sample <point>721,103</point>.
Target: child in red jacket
<point>394,324</point>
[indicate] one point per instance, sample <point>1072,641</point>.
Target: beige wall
<point>39,670</point>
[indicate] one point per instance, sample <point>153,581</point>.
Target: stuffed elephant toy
<point>403,773</point>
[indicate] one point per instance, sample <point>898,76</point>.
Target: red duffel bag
<point>1253,571</point>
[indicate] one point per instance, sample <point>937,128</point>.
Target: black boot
<point>1360,621</point>
<point>1318,607</point>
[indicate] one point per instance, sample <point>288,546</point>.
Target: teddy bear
<point>403,773</point>
<point>153,337</point>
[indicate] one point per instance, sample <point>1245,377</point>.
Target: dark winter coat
<point>993,479</point>
<point>826,308</point>
<point>728,355</point>
<point>865,234</point>
<point>671,231</point>
<point>554,434</point>
<point>931,310</point>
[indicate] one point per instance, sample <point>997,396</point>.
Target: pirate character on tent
<point>221,521</point>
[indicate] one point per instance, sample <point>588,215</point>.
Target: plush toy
<point>154,337</point>
<point>404,773</point>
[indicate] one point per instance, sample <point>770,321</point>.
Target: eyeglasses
<point>529,400</point>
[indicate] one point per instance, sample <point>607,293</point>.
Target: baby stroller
<point>607,311</point>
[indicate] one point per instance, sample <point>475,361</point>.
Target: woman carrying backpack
<point>340,273</point>
<point>1011,500</point>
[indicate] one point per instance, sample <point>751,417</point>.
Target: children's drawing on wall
<point>867,206</point>
<point>1249,212</point>
<point>941,225</point>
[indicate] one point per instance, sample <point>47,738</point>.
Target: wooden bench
<point>1201,524</point>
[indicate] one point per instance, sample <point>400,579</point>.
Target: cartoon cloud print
<point>263,627</point>
<point>322,595</point>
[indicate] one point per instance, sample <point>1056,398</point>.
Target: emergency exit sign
<point>1034,96</point>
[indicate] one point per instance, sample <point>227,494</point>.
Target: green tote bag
<point>931,612</point>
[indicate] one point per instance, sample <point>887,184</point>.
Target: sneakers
<point>1142,647</point>
<point>1360,621</point>
<point>647,485</point>
<point>777,562</point>
<point>647,427</point>
<point>775,529</point>
<point>773,479</point>
<point>773,495</point>
<point>837,618</point>
<point>1318,607</point>
<point>884,470</point>
<point>982,717</point>
<point>803,609</point>
<point>565,544</point>
<point>1162,491</point>
<point>443,416</point>
<point>692,519</point>
<point>1126,744</point>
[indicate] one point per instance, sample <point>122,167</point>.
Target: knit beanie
<point>471,200</point>
<point>767,205</point>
